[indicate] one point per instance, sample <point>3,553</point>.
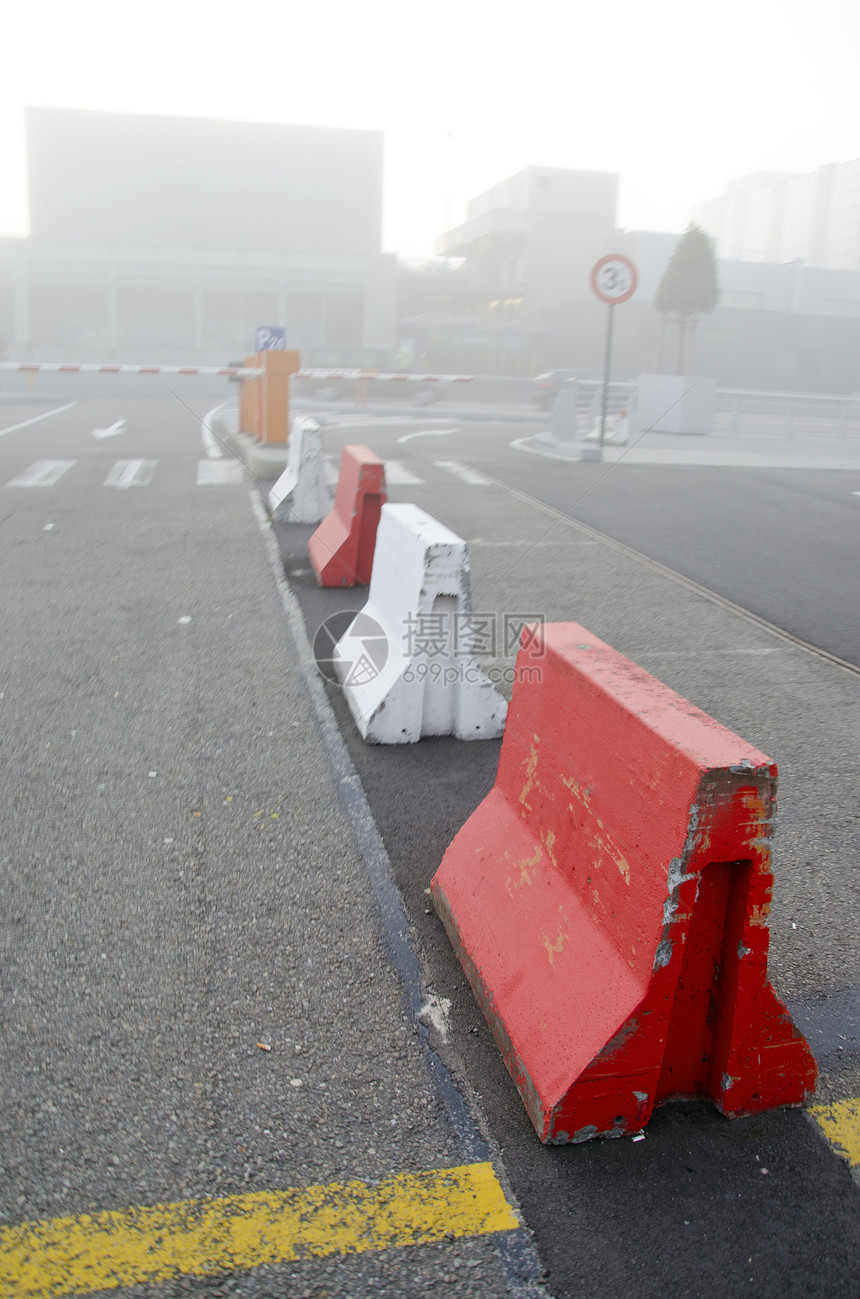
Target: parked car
<point>546,387</point>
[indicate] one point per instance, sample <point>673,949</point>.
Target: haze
<point>673,98</point>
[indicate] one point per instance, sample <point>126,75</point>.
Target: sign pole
<point>614,279</point>
<point>606,368</point>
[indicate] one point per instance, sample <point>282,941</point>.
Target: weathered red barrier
<point>608,901</point>
<point>341,549</point>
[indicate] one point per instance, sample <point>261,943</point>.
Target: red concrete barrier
<point>341,549</point>
<point>608,901</point>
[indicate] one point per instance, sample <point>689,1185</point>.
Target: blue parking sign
<point>270,338</point>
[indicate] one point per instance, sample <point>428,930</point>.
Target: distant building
<point>167,238</point>
<point>773,217</point>
<point>528,246</point>
<point>536,235</point>
<point>777,325</point>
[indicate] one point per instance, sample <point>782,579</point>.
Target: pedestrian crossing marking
<point>131,473</point>
<point>398,475</point>
<point>159,1243</point>
<point>216,473</point>
<point>42,473</point>
<point>463,472</point>
<point>840,1123</point>
<point>221,472</point>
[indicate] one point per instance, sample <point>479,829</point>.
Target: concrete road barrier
<point>406,663</point>
<point>341,549</point>
<point>608,901</point>
<point>301,494</point>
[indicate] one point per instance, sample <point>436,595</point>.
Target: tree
<point>689,287</point>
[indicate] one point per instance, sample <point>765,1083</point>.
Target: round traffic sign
<point>614,278</point>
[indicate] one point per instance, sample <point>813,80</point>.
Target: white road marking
<point>695,654</point>
<point>463,472</point>
<point>428,433</point>
<point>216,473</point>
<point>42,473</point>
<point>397,474</point>
<point>533,545</point>
<point>36,418</point>
<point>131,473</point>
<point>118,427</point>
<point>525,444</point>
<point>210,442</point>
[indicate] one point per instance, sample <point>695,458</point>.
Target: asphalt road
<point>782,543</point>
<point>199,998</point>
<point>689,1210</point>
<point>184,879</point>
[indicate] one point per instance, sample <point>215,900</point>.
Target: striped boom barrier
<point>228,371</point>
<point>379,377</point>
<point>84,367</point>
<point>265,398</point>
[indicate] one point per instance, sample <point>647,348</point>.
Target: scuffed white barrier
<point>406,663</point>
<point>301,494</point>
<point>616,432</point>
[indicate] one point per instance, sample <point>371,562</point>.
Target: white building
<point>535,236</point>
<point>773,217</point>
<point>157,238</point>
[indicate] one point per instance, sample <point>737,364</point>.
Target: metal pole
<point>606,376</point>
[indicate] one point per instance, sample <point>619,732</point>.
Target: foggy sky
<point>675,99</point>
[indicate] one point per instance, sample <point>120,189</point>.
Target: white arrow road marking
<point>428,433</point>
<point>463,472</point>
<point>215,473</point>
<point>399,476</point>
<point>42,473</point>
<point>35,420</point>
<point>210,442</point>
<point>131,473</point>
<point>118,427</point>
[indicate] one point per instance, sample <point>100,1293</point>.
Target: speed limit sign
<point>614,279</point>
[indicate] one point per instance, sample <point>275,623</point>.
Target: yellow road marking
<point>60,1256</point>
<point>840,1123</point>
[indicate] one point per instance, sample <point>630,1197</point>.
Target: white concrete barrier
<point>673,403</point>
<point>301,494</point>
<point>563,425</point>
<point>407,663</point>
<point>616,432</point>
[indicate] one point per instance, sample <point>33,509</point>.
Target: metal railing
<point>738,410</point>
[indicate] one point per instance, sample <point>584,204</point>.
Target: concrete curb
<point>265,461</point>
